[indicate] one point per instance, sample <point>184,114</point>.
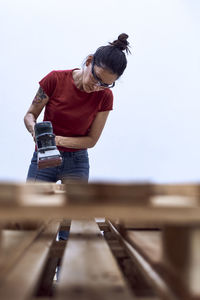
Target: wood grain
<point>89,270</point>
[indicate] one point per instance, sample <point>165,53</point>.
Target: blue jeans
<point>75,165</point>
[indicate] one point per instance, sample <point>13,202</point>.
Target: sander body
<point>47,153</point>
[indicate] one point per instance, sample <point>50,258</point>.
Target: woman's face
<point>96,78</point>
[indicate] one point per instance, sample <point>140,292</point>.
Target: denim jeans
<point>75,165</point>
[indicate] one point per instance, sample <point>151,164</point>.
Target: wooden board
<point>165,271</point>
<point>89,270</point>
<point>130,214</point>
<point>146,262</point>
<point>16,193</point>
<point>21,281</point>
<point>124,202</point>
<point>149,243</point>
<point>181,255</point>
<point>106,193</point>
<point>13,245</point>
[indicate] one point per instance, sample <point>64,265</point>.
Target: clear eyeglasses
<point>99,82</point>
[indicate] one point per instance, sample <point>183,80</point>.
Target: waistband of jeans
<point>72,153</point>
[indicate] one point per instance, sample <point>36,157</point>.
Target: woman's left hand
<point>57,140</point>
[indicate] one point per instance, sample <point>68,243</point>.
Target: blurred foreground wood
<point>127,241</point>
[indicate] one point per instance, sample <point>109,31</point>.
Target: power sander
<point>47,152</point>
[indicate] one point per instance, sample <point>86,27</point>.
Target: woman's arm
<point>86,141</point>
<point>35,109</point>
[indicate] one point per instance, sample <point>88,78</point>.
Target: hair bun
<point>121,43</point>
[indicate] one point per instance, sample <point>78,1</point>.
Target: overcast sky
<point>153,132</point>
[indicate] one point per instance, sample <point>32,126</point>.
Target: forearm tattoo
<point>40,96</point>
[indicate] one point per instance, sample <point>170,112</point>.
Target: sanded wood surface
<point>89,270</point>
<point>20,282</point>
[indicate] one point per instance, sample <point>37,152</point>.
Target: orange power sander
<point>47,152</point>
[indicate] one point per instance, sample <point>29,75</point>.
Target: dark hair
<point>112,56</point>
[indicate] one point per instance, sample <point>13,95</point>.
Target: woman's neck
<point>78,78</point>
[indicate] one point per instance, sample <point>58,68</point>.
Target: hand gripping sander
<point>47,152</point>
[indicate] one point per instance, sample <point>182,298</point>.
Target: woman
<point>77,102</point>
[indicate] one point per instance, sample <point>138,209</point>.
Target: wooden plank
<point>21,225</point>
<point>149,243</point>
<point>21,282</point>
<point>137,298</point>
<point>89,270</point>
<point>145,265</point>
<point>46,285</point>
<point>57,249</point>
<point>172,255</point>
<point>174,201</point>
<point>81,192</point>
<point>14,193</point>
<point>43,204</point>
<point>137,193</point>
<point>184,189</point>
<point>130,214</point>
<point>181,255</point>
<point>13,245</point>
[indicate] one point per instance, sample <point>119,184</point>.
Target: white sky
<point>153,131</point>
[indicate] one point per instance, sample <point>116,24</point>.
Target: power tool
<point>47,152</point>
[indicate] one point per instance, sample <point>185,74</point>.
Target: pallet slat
<point>149,244</point>
<point>168,258</point>
<point>181,255</point>
<point>12,246</point>
<point>21,282</point>
<point>89,270</point>
<point>145,265</point>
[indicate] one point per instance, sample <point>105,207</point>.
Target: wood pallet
<point>148,247</point>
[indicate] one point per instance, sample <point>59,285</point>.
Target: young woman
<point>77,102</point>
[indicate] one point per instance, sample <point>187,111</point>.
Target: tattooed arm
<point>35,109</point>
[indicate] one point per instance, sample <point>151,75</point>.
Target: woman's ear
<point>89,60</point>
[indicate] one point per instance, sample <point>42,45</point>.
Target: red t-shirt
<point>70,110</point>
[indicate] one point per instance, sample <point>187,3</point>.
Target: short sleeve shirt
<point>70,110</point>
